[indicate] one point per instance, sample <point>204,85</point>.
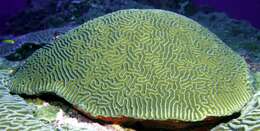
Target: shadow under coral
<point>136,124</point>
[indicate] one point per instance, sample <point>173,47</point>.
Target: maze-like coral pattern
<point>146,64</point>
<point>249,119</point>
<point>16,115</point>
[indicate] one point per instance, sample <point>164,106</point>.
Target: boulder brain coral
<point>145,64</point>
<point>15,114</point>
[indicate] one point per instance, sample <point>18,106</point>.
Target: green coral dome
<point>145,64</point>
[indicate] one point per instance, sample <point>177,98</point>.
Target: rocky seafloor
<point>59,115</point>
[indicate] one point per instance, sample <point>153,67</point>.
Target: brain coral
<point>249,119</point>
<point>145,64</point>
<point>15,114</point>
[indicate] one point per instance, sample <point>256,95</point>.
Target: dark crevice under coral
<point>140,125</point>
<point>24,52</point>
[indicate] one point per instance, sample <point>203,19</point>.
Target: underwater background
<point>29,25</point>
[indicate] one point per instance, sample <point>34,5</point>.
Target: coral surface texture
<point>144,64</point>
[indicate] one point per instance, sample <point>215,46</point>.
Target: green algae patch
<point>47,113</point>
